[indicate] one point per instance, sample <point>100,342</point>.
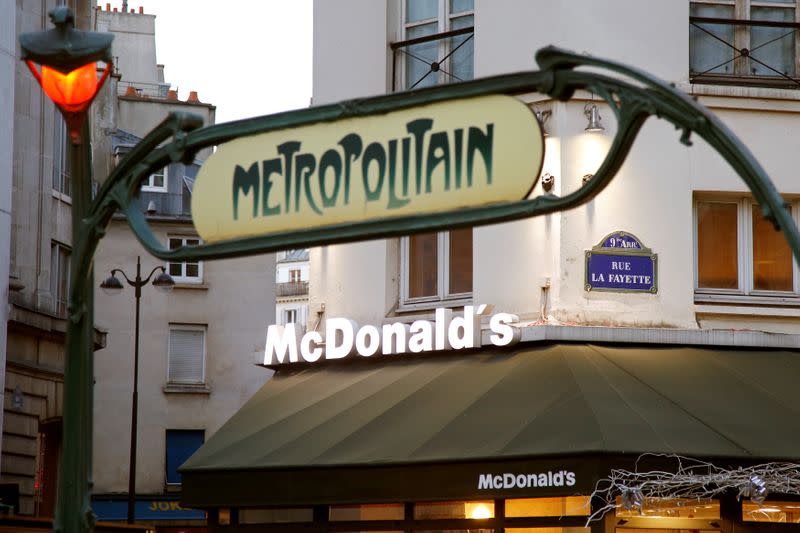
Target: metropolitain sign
<point>435,158</point>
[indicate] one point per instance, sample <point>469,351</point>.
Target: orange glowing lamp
<point>68,59</point>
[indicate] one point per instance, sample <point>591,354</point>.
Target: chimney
<point>141,10</point>
<point>108,7</point>
<point>172,95</point>
<point>131,91</point>
<point>124,6</point>
<point>115,10</point>
<point>193,97</point>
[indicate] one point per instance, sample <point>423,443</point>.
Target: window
<point>437,268</point>
<point>741,254</point>
<point>61,176</point>
<point>59,277</point>
<point>187,354</point>
<point>438,59</point>
<point>289,316</point>
<point>156,182</point>
<point>753,39</point>
<point>185,271</point>
<point>294,275</point>
<point>180,445</point>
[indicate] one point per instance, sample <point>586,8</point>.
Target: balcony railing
<point>143,90</point>
<point>292,288</point>
<point>432,59</point>
<point>743,52</point>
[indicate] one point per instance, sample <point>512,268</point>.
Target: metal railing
<point>291,288</point>
<point>743,52</point>
<point>402,50</point>
<point>145,90</point>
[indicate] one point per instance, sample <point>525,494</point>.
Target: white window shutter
<point>186,349</point>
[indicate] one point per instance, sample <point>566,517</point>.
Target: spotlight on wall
<point>542,116</point>
<point>593,116</point>
<point>548,180</point>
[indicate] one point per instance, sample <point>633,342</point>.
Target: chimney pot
<point>133,10</point>
<point>108,7</point>
<point>131,91</point>
<point>115,10</point>
<point>141,10</point>
<point>193,97</point>
<point>172,95</point>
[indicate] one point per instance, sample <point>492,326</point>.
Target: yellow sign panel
<point>428,159</point>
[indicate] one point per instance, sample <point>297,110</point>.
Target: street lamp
<point>112,285</point>
<point>68,75</point>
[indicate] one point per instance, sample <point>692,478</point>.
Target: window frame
<point>444,22</point>
<point>188,327</point>
<point>183,278</point>
<point>147,186</point>
<point>57,268</point>
<point>285,315</point>
<point>745,291</point>
<point>62,177</point>
<point>742,11</point>
<point>443,296</point>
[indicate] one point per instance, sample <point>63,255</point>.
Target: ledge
<point>178,388</point>
<point>191,286</point>
<point>747,310</point>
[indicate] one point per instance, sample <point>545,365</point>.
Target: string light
<point>692,479</point>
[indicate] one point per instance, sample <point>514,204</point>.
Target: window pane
<point>674,508</point>
<point>459,6</point>
<point>174,244</point>
<point>769,511</point>
<point>462,59</point>
<point>389,511</point>
<point>772,46</point>
<point>420,56</point>
<point>421,10</point>
<point>772,258</point>
<point>705,51</point>
<point>422,265</point>
<point>717,245</point>
<point>460,260</point>
<point>442,510</point>
<point>175,269</point>
<point>559,506</point>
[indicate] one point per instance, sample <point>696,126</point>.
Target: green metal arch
<point>633,96</point>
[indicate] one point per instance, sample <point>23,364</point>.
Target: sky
<point>247,57</point>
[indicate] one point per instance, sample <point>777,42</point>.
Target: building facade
<point>606,359</point>
<point>196,343</point>
<point>291,289</point>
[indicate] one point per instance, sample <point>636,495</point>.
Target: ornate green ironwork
<point>633,96</point>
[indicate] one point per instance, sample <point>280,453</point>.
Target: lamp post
<point>68,60</point>
<point>112,285</point>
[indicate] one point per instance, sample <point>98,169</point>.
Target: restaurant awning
<point>411,419</point>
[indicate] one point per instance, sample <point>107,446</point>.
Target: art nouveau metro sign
<point>428,159</point>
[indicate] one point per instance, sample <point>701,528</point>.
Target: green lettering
<point>417,128</point>
<point>373,152</point>
<point>245,182</point>
<point>330,159</point>
<point>459,138</point>
<point>477,141</point>
<point>352,149</point>
<point>438,152</point>
<point>405,164</point>
<point>306,164</point>
<point>287,150</point>
<point>394,201</point>
<point>268,168</point>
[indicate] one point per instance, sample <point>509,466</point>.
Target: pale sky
<point>247,57</point>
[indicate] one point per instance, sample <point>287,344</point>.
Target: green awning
<point>532,402</point>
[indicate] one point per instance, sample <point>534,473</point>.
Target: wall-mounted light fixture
<point>593,116</point>
<point>548,180</point>
<point>542,116</point>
